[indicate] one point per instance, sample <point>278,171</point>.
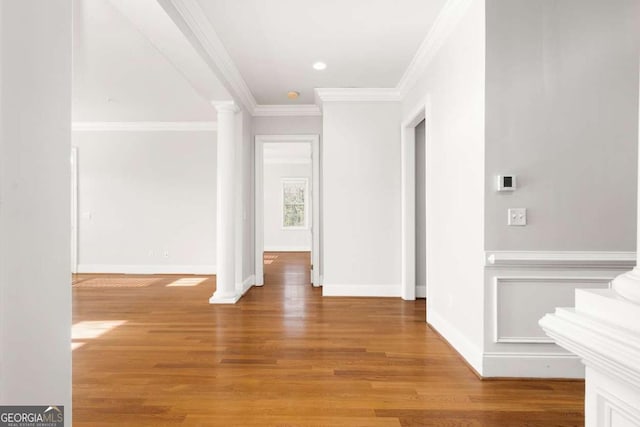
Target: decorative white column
<point>604,330</point>
<point>226,206</point>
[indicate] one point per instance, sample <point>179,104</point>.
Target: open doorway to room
<point>421,213</point>
<point>414,203</point>
<point>287,208</point>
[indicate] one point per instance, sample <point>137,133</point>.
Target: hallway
<point>161,355</point>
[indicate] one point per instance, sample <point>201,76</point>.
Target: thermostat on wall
<point>506,182</point>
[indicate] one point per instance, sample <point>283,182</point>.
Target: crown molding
<point>226,106</point>
<point>357,95</point>
<point>143,126</point>
<point>451,14</point>
<point>284,110</point>
<point>194,18</point>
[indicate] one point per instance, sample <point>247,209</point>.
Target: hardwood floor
<point>282,356</point>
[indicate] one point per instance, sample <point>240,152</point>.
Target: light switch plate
<point>517,216</point>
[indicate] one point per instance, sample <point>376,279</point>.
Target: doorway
<point>421,213</point>
<point>287,200</point>
<point>414,147</point>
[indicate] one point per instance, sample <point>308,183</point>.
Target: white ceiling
<point>365,43</point>
<point>119,74</point>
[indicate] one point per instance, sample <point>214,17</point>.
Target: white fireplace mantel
<point>604,330</point>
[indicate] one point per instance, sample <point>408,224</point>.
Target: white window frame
<point>296,180</point>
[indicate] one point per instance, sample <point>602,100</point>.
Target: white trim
<point>603,346</point>
<point>247,284</point>
<point>225,106</point>
<point>449,17</point>
<point>201,31</point>
<point>561,259</point>
<point>469,351</point>
<point>260,140</point>
<point>287,249</point>
<point>144,126</point>
<point>284,110</point>
<point>357,95</point>
<point>308,138</point>
<point>147,269</point>
<point>228,300</point>
<point>194,18</point>
<point>554,280</point>
<point>610,398</point>
<point>286,161</point>
<point>408,195</point>
<point>335,290</point>
<point>258,210</point>
<point>316,260</point>
<point>608,306</point>
<point>532,365</point>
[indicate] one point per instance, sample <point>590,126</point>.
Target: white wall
<point>562,114</point>
<point>248,196</point>
<point>454,84</point>
<point>142,194</point>
<point>361,199</point>
<point>277,238</point>
<point>35,285</point>
<point>305,125</point>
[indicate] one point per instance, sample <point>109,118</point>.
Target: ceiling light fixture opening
<point>319,66</point>
<point>293,94</point>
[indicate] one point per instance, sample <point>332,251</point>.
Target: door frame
<point>314,141</point>
<point>408,156</point>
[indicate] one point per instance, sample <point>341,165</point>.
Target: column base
<point>627,285</point>
<point>223,299</point>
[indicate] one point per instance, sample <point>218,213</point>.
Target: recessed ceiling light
<point>293,94</point>
<point>319,66</point>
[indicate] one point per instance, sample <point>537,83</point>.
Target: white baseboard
<point>147,269</point>
<point>392,290</point>
<point>248,283</point>
<point>421,291</point>
<point>287,249</point>
<point>532,365</point>
<point>470,352</point>
<point>226,300</point>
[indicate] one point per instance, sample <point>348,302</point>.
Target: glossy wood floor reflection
<point>155,353</point>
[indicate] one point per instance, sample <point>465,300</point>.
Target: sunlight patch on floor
<point>87,330</point>
<point>116,282</point>
<point>187,281</point>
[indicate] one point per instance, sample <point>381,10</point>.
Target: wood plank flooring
<point>159,355</point>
